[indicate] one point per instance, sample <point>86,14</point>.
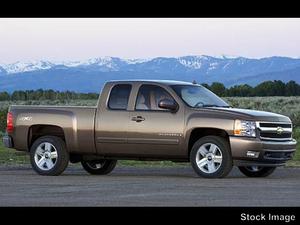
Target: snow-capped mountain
<point>192,62</point>
<point>135,61</point>
<point>203,63</point>
<point>20,67</point>
<point>111,63</point>
<point>103,63</point>
<point>88,75</point>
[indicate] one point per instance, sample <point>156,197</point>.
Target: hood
<point>254,114</point>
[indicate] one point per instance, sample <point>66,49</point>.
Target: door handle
<point>138,118</point>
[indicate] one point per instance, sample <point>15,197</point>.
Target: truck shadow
<point>171,172</point>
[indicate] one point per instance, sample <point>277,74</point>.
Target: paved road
<point>127,186</point>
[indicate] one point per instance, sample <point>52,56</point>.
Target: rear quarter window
<point>119,96</point>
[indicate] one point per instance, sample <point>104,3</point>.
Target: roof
<point>165,82</point>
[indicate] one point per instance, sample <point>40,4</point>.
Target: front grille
<point>274,131</point>
<point>275,135</point>
<point>283,125</point>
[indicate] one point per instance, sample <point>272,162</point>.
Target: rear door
<point>112,119</point>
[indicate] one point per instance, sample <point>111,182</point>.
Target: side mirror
<point>168,104</point>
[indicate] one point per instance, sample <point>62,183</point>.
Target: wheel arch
<point>38,130</point>
<point>198,133</point>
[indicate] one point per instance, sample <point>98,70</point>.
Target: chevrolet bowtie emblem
<point>279,130</point>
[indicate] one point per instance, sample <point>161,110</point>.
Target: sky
<point>56,39</point>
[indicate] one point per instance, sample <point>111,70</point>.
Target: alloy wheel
<point>45,156</point>
<point>209,158</point>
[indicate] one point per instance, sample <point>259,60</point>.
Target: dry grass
<point>289,106</point>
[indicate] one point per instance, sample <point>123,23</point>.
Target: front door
<point>153,131</point>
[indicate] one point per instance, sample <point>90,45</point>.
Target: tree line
<point>41,94</point>
<point>267,88</point>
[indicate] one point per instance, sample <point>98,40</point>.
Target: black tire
<point>62,160</point>
<point>99,167</point>
<point>222,168</point>
<point>258,172</point>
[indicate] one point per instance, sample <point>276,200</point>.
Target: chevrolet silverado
<point>152,120</point>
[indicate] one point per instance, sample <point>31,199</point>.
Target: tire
<point>99,167</point>
<point>211,157</point>
<point>49,149</point>
<point>251,171</point>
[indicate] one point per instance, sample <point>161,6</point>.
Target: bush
<point>3,114</point>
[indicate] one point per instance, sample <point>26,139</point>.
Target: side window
<point>149,97</point>
<point>119,96</point>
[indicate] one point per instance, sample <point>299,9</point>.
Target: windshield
<point>198,96</point>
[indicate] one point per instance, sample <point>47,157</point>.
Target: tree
<point>267,88</point>
<point>4,96</point>
<point>264,89</point>
<point>292,88</point>
<point>243,90</point>
<point>218,88</point>
<point>19,95</point>
<point>278,88</point>
<point>206,85</point>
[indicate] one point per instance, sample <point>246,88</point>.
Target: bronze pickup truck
<point>152,120</point>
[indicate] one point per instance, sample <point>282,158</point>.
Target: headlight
<point>244,128</point>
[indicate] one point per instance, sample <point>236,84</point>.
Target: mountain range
<point>90,75</point>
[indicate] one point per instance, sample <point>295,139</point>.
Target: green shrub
<point>3,114</point>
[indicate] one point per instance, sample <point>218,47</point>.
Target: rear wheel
<point>211,157</point>
<point>99,167</point>
<point>49,156</point>
<point>256,171</point>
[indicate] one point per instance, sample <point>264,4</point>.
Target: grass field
<point>289,106</point>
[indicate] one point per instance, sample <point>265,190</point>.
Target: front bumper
<point>271,153</point>
<point>7,141</point>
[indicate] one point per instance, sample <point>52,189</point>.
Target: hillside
<point>89,75</point>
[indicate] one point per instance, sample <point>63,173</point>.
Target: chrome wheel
<point>45,156</point>
<point>253,168</point>
<point>99,167</point>
<point>257,171</point>
<point>209,158</point>
<point>95,165</point>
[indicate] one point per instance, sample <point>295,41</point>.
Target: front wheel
<point>99,167</point>
<point>256,171</point>
<point>211,157</point>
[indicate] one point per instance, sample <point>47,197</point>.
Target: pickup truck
<point>152,120</point>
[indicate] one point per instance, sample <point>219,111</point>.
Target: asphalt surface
<point>129,186</point>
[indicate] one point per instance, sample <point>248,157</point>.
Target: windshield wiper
<point>221,106</point>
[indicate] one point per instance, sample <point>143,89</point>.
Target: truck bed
<point>77,123</point>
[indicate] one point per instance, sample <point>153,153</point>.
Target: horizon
<point>58,39</point>
<point>163,80</point>
<point>223,56</point>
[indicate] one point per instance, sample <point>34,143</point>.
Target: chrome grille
<point>274,131</point>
